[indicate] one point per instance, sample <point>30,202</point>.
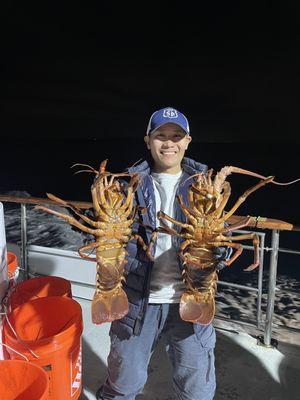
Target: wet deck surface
<point>245,371</point>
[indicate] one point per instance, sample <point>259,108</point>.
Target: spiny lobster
<point>114,215</point>
<point>204,231</point>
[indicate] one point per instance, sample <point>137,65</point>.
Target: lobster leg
<point>238,225</point>
<point>140,240</point>
<point>97,205</point>
<point>239,248</point>
<point>88,247</point>
<point>129,200</point>
<point>125,211</point>
<point>166,229</point>
<point>188,212</point>
<point>74,209</point>
<point>255,239</point>
<point>197,212</point>
<point>147,249</point>
<point>196,263</point>
<point>227,191</point>
<point>244,196</point>
<point>151,244</point>
<point>161,214</point>
<point>69,219</point>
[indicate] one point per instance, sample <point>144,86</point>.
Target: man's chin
<point>170,162</point>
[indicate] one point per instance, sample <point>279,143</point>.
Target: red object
<point>12,264</point>
<point>51,327</point>
<point>23,381</point>
<point>39,287</point>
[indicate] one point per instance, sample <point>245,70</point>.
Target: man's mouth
<point>168,152</point>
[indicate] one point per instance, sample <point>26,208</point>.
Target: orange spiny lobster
<point>114,214</point>
<point>204,231</point>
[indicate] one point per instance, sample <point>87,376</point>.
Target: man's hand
<point>220,255</point>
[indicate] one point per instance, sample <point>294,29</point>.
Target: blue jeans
<point>191,355</point>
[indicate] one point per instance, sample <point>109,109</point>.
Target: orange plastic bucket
<point>39,287</point>
<point>49,333</point>
<point>22,380</point>
<point>12,264</point>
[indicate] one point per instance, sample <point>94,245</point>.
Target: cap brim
<point>168,122</point>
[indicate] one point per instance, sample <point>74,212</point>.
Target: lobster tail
<point>191,309</point>
<point>109,306</point>
<point>197,303</point>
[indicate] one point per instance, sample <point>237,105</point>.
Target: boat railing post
<point>24,249</point>
<point>260,280</point>
<point>271,288</point>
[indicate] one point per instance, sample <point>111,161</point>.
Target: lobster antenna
<point>84,165</point>
<point>191,177</point>
<point>135,163</point>
<point>84,170</point>
<point>225,171</point>
<point>286,183</point>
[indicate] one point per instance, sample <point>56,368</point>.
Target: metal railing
<point>268,324</point>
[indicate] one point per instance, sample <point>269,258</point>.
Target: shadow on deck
<point>245,371</point>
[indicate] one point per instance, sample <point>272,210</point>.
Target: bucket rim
<point>44,277</point>
<point>33,366</point>
<point>14,361</point>
<point>12,261</point>
<point>75,326</point>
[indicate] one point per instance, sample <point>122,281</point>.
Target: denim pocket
<point>122,329</point>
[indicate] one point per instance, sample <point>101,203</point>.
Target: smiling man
<point>168,144</point>
<point>154,287</point>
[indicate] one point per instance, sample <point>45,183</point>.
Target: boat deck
<point>245,370</point>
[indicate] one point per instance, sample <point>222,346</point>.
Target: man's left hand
<point>221,254</point>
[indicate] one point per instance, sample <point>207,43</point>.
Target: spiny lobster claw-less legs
<point>85,248</point>
<point>239,249</point>
<point>68,218</point>
<point>147,249</point>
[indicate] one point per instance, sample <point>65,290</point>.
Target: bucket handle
<point>20,354</point>
<point>17,337</point>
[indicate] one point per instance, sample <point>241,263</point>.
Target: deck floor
<point>245,371</point>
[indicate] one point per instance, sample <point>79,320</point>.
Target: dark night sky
<point>80,82</point>
<point>90,71</point>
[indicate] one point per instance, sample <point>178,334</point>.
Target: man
<point>154,288</point>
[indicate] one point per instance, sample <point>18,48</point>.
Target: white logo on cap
<point>170,113</point>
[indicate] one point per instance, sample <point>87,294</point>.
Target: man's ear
<point>147,141</point>
<point>188,141</point>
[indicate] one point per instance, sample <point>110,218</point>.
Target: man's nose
<point>168,143</point>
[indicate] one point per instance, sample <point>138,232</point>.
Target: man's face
<point>168,145</point>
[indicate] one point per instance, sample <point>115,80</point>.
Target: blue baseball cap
<point>165,116</point>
